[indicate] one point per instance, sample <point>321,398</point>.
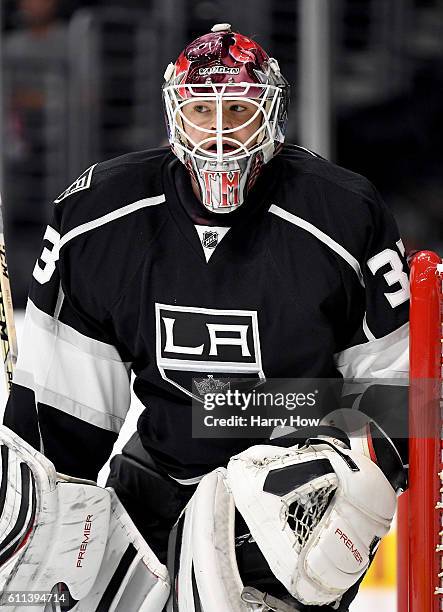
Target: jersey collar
<point>187,211</point>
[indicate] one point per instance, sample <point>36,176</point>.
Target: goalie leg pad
<point>73,532</point>
<point>202,557</point>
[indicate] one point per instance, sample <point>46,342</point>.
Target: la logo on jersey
<point>206,343</point>
<point>227,187</point>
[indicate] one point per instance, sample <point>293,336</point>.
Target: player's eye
<point>201,108</point>
<point>237,108</point>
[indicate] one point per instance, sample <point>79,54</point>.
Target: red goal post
<point>420,517</point>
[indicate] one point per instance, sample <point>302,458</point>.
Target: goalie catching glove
<point>317,514</point>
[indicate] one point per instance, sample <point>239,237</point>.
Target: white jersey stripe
<point>53,326</point>
<point>188,481</point>
<point>96,386</point>
<point>386,357</point>
<point>112,216</point>
<point>89,414</point>
<point>369,335</point>
<point>332,244</point>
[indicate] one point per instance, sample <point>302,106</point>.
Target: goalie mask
<point>226,109</point>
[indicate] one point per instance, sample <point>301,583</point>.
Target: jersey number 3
<point>396,274</point>
<point>48,257</point>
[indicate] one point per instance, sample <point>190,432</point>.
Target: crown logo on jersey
<point>210,239</point>
<point>211,385</point>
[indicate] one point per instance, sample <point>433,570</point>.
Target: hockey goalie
<point>313,513</point>
<point>229,253</point>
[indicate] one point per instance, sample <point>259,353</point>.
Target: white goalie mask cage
<point>219,70</point>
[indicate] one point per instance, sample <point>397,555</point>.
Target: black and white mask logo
<point>192,341</point>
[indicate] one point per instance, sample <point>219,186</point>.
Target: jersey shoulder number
<point>394,276</point>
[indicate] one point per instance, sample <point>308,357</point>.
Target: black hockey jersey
<point>306,279</point>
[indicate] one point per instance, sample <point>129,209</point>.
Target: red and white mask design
<point>222,188</point>
<point>226,107</point>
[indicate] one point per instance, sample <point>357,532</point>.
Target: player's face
<point>235,114</point>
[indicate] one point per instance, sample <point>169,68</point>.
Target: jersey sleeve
<point>375,358</point>
<point>378,335</point>
<point>71,386</point>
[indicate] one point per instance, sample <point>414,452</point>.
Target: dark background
<point>82,81</point>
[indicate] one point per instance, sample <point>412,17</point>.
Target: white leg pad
<point>73,532</point>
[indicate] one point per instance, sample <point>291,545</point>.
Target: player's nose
<point>226,122</point>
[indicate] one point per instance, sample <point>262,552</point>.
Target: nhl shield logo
<point>210,239</point>
<point>201,350</point>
